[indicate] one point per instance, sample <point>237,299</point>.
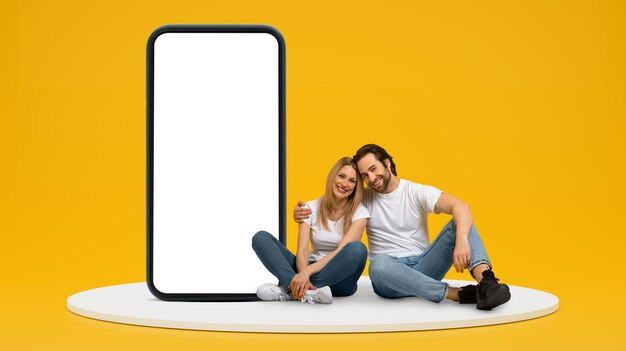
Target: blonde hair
<point>328,203</point>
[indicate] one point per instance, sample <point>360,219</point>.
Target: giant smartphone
<point>215,158</point>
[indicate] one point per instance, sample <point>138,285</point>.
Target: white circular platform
<point>362,312</point>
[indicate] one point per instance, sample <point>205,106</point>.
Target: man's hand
<point>462,254</point>
<point>299,285</point>
<point>301,212</point>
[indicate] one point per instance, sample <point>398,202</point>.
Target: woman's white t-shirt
<point>324,241</point>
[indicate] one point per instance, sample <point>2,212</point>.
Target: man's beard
<point>386,178</point>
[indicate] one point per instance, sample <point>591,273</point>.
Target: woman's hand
<point>299,285</point>
<point>462,254</point>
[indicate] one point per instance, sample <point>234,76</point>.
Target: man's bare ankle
<point>453,294</point>
<point>477,272</point>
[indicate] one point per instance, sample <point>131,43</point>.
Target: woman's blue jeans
<point>421,275</point>
<point>341,273</point>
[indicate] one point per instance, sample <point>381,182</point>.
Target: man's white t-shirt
<point>398,225</point>
<point>324,241</point>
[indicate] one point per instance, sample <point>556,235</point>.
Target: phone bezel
<point>282,235</point>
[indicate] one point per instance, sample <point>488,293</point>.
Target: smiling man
<point>403,263</point>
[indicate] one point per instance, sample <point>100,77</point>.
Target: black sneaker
<point>490,293</point>
<point>467,294</point>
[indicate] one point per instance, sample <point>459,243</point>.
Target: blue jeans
<point>421,275</point>
<point>341,273</point>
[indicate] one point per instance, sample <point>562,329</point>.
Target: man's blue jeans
<point>421,275</point>
<point>341,273</point>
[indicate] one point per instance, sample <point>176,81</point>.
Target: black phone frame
<point>282,235</point>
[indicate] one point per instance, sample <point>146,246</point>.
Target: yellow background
<point>516,107</point>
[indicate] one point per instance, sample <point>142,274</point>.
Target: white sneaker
<point>272,292</point>
<point>320,295</point>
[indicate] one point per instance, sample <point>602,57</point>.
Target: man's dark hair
<point>380,153</point>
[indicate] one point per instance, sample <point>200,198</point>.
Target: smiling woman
<point>333,232</point>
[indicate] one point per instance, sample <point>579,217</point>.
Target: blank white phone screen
<point>216,160</point>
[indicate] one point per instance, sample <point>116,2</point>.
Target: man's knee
<point>449,232</point>
<point>382,266</point>
<point>383,291</point>
<point>377,291</point>
<point>451,225</point>
<point>379,266</point>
